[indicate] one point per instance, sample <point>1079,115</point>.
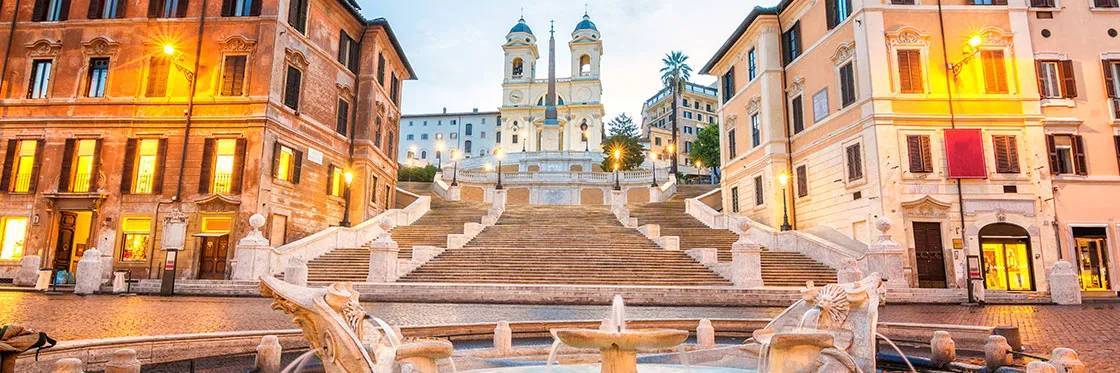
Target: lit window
<point>285,164</point>
<point>995,71</point>
<point>14,237</point>
<point>224,153</point>
<point>24,166</point>
<point>146,163</point>
<point>336,181</point>
<point>81,175</point>
<point>136,235</point>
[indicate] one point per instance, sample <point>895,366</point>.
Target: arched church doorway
<point>1006,257</point>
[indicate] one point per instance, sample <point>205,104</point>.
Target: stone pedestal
<point>421,254</point>
<point>671,243</point>
<point>651,231</point>
<point>454,193</point>
<point>123,361</point>
<point>705,334</point>
<point>88,278</point>
<point>503,338</point>
<point>253,253</point>
<point>618,198</point>
<point>28,271</point>
<point>120,282</point>
<point>499,200</point>
<point>296,272</point>
<point>268,355</point>
<point>704,255</point>
<point>746,264</point>
<point>67,365</point>
<point>383,253</point>
<point>1064,284</point>
<point>850,272</point>
<point>886,257</point>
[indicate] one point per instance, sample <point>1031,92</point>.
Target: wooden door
<point>212,261</point>
<point>64,245</point>
<point>930,255</point>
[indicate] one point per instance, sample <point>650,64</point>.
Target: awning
<point>211,234</point>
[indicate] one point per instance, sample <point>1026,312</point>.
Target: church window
<point>518,68</point>
<point>584,65</point>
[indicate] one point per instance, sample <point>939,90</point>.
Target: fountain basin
<point>644,368</point>
<point>629,339</point>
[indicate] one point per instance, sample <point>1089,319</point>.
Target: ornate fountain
<point>619,346</point>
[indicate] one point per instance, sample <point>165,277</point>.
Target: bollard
<point>1041,367</point>
<point>123,361</point>
<point>705,334</point>
<point>997,353</point>
<point>1012,335</point>
<point>943,350</point>
<point>268,355</point>
<point>68,365</point>
<point>503,338</point>
<point>1067,361</point>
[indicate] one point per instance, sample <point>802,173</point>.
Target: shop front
<point>1091,245</point>
<point>1006,257</point>
<point>214,246</point>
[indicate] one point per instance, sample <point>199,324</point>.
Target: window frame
<point>4,221</point>
<point>124,238</point>
<point>756,129</point>
<point>102,79</point>
<point>922,66</point>
<point>291,169</point>
<point>33,73</point>
<point>297,15</point>
<point>342,117</point>
<point>925,152</point>
<point>849,88</point>
<point>860,179</point>
<point>1065,80</point>
<point>752,65</point>
<point>801,181</point>
<point>244,76</point>
<point>759,191</point>
<point>299,89</point>
<point>1006,81</point>
<point>1012,149</point>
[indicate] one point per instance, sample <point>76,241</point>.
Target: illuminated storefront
<point>14,231</point>
<point>1006,257</point>
<point>1092,257</point>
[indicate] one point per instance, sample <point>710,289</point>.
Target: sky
<point>455,45</point>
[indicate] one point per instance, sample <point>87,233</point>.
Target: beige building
<point>927,116</point>
<point>697,110</point>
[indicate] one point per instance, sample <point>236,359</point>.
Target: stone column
<point>886,257</point>
<point>123,361</point>
<point>28,270</point>
<point>1064,284</point>
<point>296,271</point>
<point>746,263</point>
<point>268,355</point>
<point>383,254</point>
<point>503,338</point>
<point>253,253</point>
<point>705,334</point>
<point>88,277</point>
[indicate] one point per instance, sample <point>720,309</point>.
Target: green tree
<point>706,148</point>
<point>622,125</point>
<point>675,73</point>
<point>631,153</point>
<point>425,174</point>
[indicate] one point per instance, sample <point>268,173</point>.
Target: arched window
<point>518,67</point>
<point>467,129</point>
<point>467,146</point>
<point>423,154</point>
<point>438,155</point>
<point>584,65</point>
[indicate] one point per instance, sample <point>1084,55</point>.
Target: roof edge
<point>739,31</point>
<point>381,21</point>
<point>455,114</point>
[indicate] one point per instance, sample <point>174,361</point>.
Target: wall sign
<point>315,156</point>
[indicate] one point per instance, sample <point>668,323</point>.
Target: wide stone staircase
<point>779,268</point>
<point>444,218</point>
<point>575,245</point>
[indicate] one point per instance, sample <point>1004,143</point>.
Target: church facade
<point>551,114</point>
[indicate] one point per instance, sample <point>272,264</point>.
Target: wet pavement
<point>1092,329</point>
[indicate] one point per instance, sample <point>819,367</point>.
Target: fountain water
<point>618,345</point>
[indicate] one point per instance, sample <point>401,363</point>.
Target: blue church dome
<point>522,27</point>
<point>586,24</point>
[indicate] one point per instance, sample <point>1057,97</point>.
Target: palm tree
<point>675,73</point>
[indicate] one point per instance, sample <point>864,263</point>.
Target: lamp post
<point>699,168</point>
<point>653,167</point>
<point>348,178</point>
<point>499,155</point>
<point>672,152</point>
<point>617,163</point>
<point>455,172</point>
<point>784,179</point>
<point>439,154</point>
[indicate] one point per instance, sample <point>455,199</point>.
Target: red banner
<point>964,154</point>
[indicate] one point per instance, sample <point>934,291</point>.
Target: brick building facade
<point>115,112</point>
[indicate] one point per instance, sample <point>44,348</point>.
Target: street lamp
<point>439,154</point>
<point>347,177</point>
<point>784,179</point>
<point>617,162</point>
<point>653,167</point>
<point>499,155</point>
<point>455,155</point>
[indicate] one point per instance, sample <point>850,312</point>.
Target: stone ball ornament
<point>883,224</point>
<point>256,221</point>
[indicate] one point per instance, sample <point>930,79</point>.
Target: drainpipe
<point>190,104</point>
<point>11,40</point>
<point>787,125</point>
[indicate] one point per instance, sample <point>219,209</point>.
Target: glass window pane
<point>15,234</point>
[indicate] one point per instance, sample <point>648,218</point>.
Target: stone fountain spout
<point>617,344</point>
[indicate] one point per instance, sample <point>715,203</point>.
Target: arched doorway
<point>1006,258</point>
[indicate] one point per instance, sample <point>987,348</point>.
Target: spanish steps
<point>575,245</point>
<point>779,268</point>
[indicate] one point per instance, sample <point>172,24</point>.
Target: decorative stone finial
<point>942,348</point>
<point>256,221</point>
<point>997,352</point>
<point>883,225</point>
<point>1066,360</point>
<point>255,237</point>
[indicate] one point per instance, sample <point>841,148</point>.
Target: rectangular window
<point>233,76</point>
<point>241,8</point>
<point>1112,84</point>
<point>854,162</point>
<point>51,10</point>
<point>335,181</point>
<point>40,79</point>
<point>797,114</point>
<point>995,71</point>
<point>731,148</point>
<point>734,199</point>
<point>286,163</point>
<point>82,165</point>
<point>847,85</point>
<point>347,51</point>
<point>910,78</point>
<point>791,43</point>
<point>395,90</point>
<point>106,9</point>
<point>837,11</point>
<point>802,181</point>
<point>292,86</point>
<point>341,123</point>
<point>1042,3</point>
<point>1055,79</point>
<point>752,66</point>
<point>1067,154</point>
<point>297,15</point>
<point>136,234</point>
<point>14,239</point>
<point>728,81</point>
<point>756,131</point>
<point>1105,3</point>
<point>758,193</point>
<point>148,165</point>
<point>225,154</point>
<point>158,68</point>
<point>989,2</point>
<point>918,150</point>
<point>381,69</point>
<point>373,190</point>
<point>21,168</point>
<point>1006,153</point>
<point>167,8</point>
<point>98,76</point>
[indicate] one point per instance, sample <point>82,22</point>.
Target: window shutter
<point>64,11</point>
<point>95,7</point>
<point>39,13</point>
<point>1079,155</point>
<point>355,56</point>
<point>204,175</point>
<point>9,157</point>
<point>276,160</point>
<point>67,159</point>
<point>38,163</point>
<point>121,8</point>
<point>255,8</point>
<point>1069,84</point>
<point>855,166</point>
<point>1115,140</point>
<point>1002,154</point>
<point>1012,154</point>
<point>238,167</point>
<point>1053,152</point>
<point>129,166</point>
<point>904,81</point>
<point>227,75</point>
<point>343,46</point>
<point>999,2</point>
<point>157,183</point>
<point>830,13</point>
<point>330,178</point>
<point>299,167</point>
<point>154,7</point>
<point>157,76</point>
<point>802,182</point>
<point>1038,77</point>
<point>914,148</point>
<point>227,8</point>
<point>181,11</point>
<point>95,176</point>
<point>291,88</point>
<point>1109,80</point>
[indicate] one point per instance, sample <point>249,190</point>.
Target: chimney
<point>445,110</point>
<point>475,110</point>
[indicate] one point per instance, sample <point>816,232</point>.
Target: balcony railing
<point>23,183</point>
<point>81,183</point>
<point>222,183</point>
<point>639,177</point>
